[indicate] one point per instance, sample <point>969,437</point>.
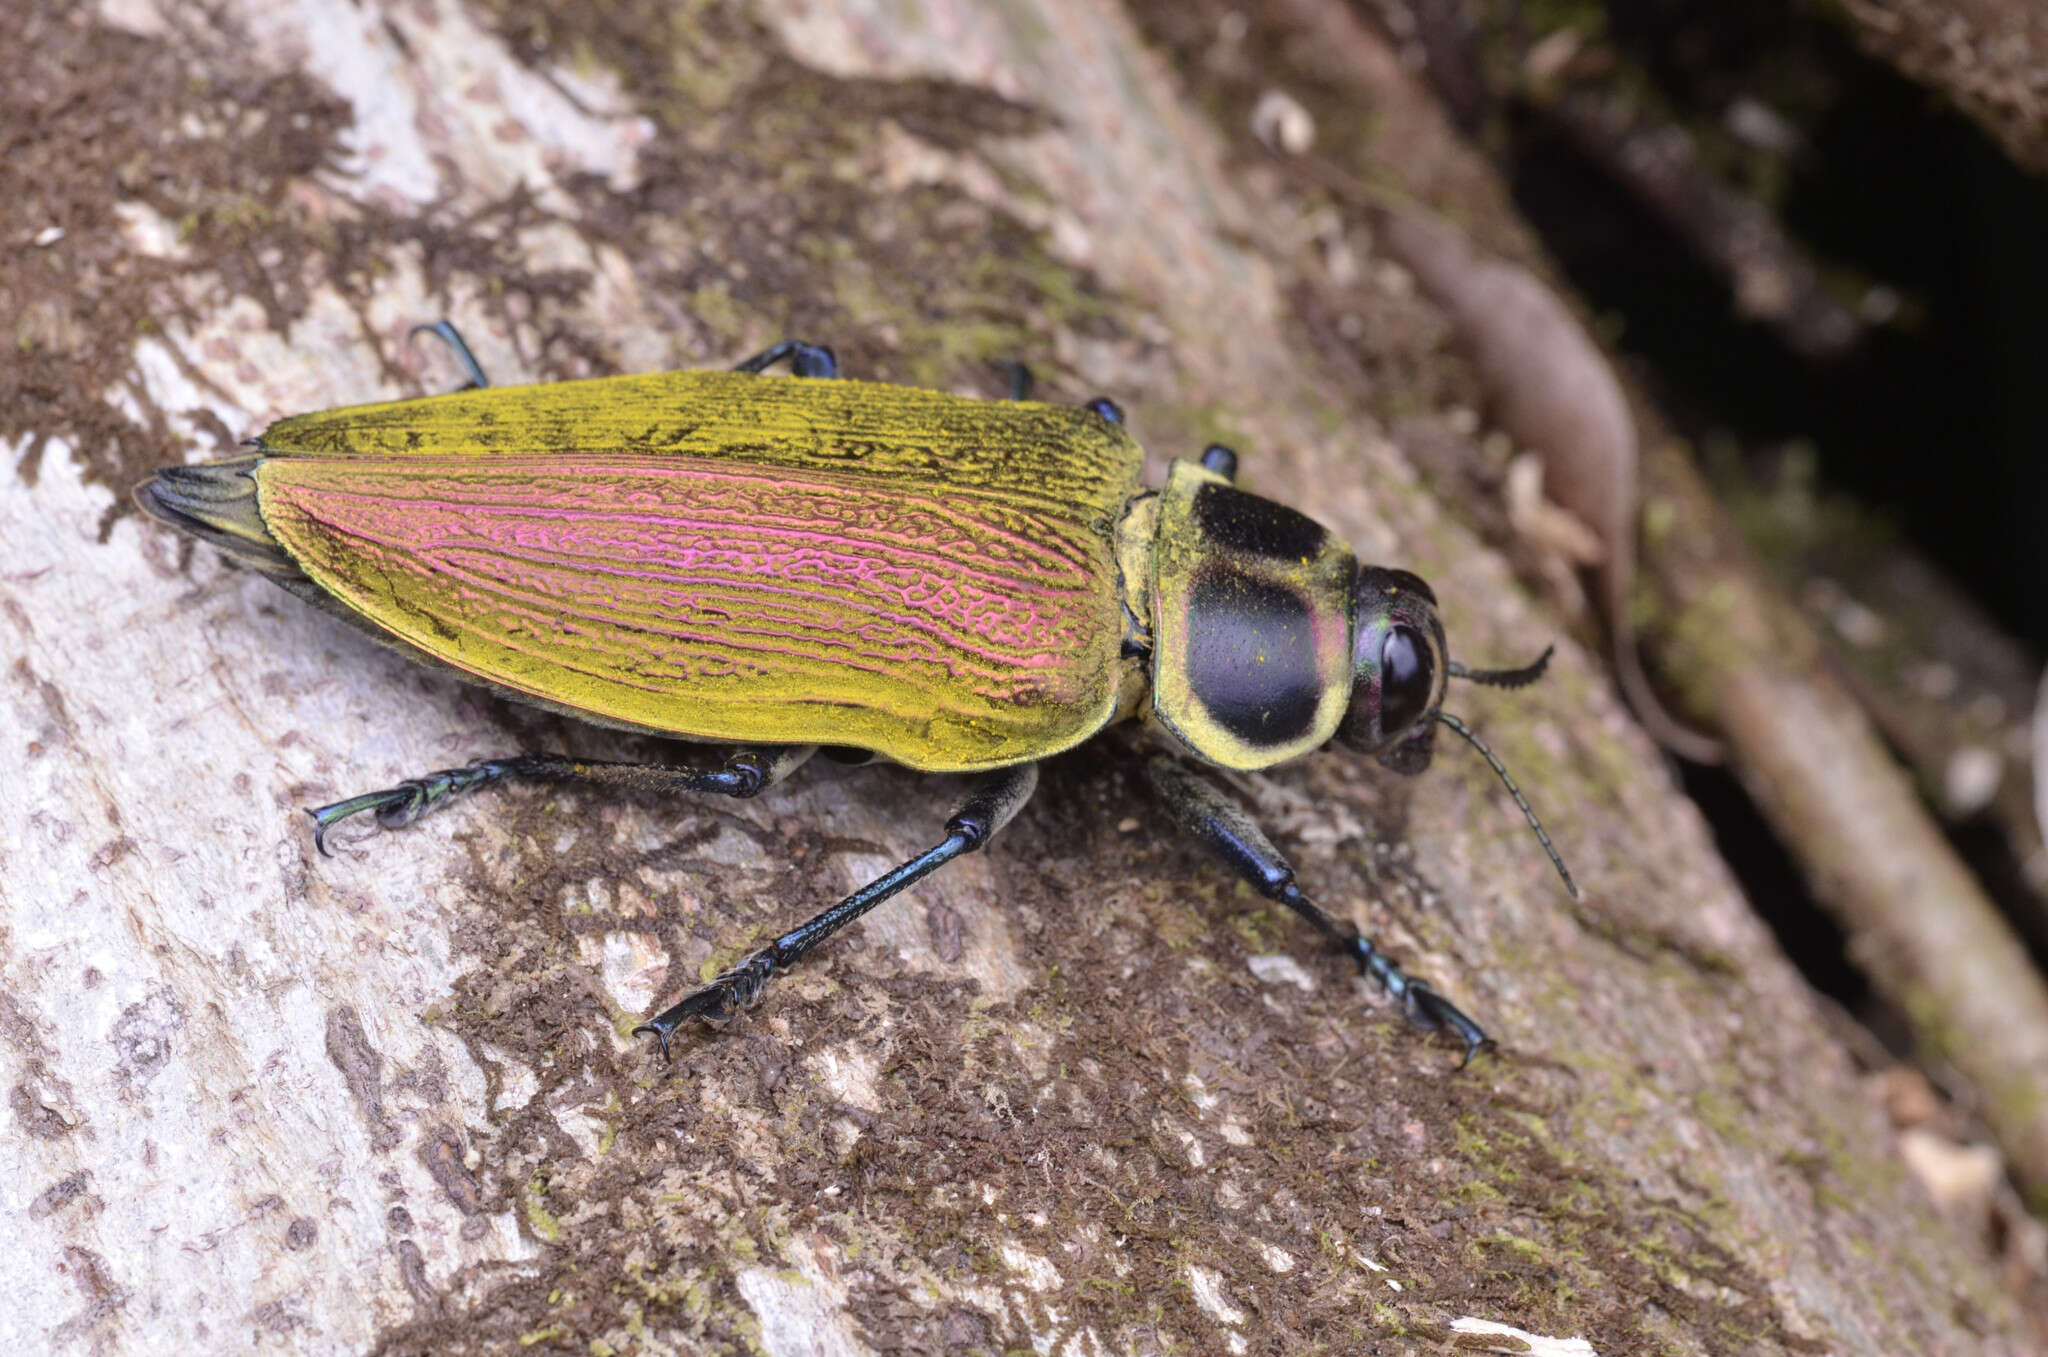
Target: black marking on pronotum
<point>1232,519</point>
<point>1251,656</point>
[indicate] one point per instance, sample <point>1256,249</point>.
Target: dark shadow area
<point>1773,882</point>
<point>1938,418</point>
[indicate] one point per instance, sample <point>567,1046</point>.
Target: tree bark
<point>1079,1092</point>
<point>1988,57</point>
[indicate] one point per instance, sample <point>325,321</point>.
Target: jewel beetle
<point>780,565</point>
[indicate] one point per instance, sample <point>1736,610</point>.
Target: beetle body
<point>957,585</point>
<point>719,557</point>
<point>727,557</point>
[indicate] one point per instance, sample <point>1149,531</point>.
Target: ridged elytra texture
<point>732,557</point>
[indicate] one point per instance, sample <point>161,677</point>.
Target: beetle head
<point>1399,670</point>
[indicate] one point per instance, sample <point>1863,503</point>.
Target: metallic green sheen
<point>731,557</point>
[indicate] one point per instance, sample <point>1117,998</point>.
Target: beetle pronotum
<point>784,565</point>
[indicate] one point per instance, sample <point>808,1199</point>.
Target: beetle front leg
<point>992,803</point>
<point>1205,811</point>
<point>745,773</point>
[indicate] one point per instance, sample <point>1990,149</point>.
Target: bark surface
<point>1077,1093</point>
<point>1988,57</point>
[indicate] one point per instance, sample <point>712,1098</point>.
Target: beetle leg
<point>987,808</point>
<point>1021,381</point>
<point>744,773</point>
<point>446,332</point>
<point>805,360</point>
<point>1221,460</point>
<point>1208,813</point>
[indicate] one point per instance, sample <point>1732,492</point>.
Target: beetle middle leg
<point>1205,811</point>
<point>1021,381</point>
<point>744,773</point>
<point>445,331</point>
<point>805,360</point>
<point>992,802</point>
<point>1222,460</point>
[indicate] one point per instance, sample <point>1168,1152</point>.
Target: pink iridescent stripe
<point>657,573</point>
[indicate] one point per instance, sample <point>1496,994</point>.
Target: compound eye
<point>1405,679</point>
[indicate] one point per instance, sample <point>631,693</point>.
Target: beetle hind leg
<point>1228,829</point>
<point>987,807</point>
<point>745,773</point>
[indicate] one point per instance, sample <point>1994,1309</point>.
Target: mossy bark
<point>1079,1092</point>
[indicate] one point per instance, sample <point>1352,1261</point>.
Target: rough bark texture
<point>1078,1093</point>
<point>1951,692</point>
<point>1989,57</point>
<point>1918,923</point>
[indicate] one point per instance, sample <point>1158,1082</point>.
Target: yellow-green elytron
<point>783,564</point>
